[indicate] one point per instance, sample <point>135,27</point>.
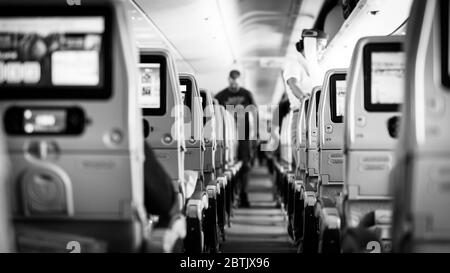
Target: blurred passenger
<point>160,195</point>
<point>235,95</point>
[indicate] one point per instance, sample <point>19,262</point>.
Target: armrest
<point>379,222</point>
<point>383,217</point>
<point>196,204</point>
<point>222,181</point>
<point>213,191</point>
<point>228,174</point>
<point>330,218</point>
<point>164,239</point>
<point>310,198</point>
<point>299,185</point>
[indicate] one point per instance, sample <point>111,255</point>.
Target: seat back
<point>163,113</point>
<point>312,130</point>
<point>220,136</point>
<point>375,92</point>
<point>232,135</point>
<point>294,131</point>
<point>209,130</point>
<point>193,121</point>
<point>228,134</point>
<point>421,219</point>
<point>286,152</point>
<point>301,136</point>
<point>72,126</point>
<point>331,127</point>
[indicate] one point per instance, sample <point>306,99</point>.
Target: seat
<point>224,177</point>
<point>307,189</point>
<point>164,118</point>
<point>297,187</point>
<point>285,161</point>
<point>215,187</point>
<point>421,222</point>
<point>232,165</point>
<point>312,123</point>
<point>223,159</point>
<point>194,168</point>
<point>74,131</point>
<point>374,95</point>
<point>330,115</point>
<point>287,169</point>
<point>214,135</point>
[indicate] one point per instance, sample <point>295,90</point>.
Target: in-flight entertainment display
<point>54,54</point>
<point>384,76</point>
<point>341,89</point>
<point>150,85</point>
<point>388,72</point>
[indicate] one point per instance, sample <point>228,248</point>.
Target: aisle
<point>262,227</point>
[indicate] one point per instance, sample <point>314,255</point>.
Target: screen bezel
<point>204,104</point>
<point>188,83</point>
<point>204,99</point>
<point>445,68</point>
<point>161,60</point>
<point>333,104</point>
<point>317,106</point>
<point>102,91</point>
<point>367,70</point>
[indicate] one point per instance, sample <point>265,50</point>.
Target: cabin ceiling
<point>214,36</point>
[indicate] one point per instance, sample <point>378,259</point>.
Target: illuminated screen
<point>186,86</point>
<point>150,85</point>
<point>341,89</point>
<point>388,72</point>
<point>183,89</point>
<point>44,121</point>
<point>338,89</point>
<point>52,51</point>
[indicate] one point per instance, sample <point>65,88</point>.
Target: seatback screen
<point>55,56</point>
<point>338,90</point>
<point>152,84</point>
<point>341,89</point>
<point>183,93</point>
<point>203,96</point>
<point>186,91</point>
<point>317,107</point>
<point>388,71</point>
<point>384,77</point>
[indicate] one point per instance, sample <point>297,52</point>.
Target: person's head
<point>321,39</point>
<point>234,80</point>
